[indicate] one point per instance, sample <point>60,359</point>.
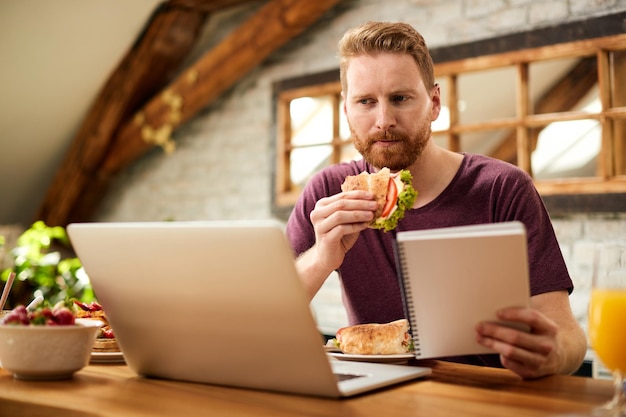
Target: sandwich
<point>394,194</point>
<point>105,340</point>
<point>375,339</point>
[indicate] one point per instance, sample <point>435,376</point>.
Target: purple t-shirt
<point>484,190</point>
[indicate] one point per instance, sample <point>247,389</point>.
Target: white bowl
<point>46,352</point>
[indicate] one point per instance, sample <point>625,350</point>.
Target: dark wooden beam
<point>218,70</point>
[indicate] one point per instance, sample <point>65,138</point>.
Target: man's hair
<point>375,37</point>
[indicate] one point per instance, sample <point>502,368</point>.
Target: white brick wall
<point>222,168</point>
<point>579,235</point>
<point>548,12</point>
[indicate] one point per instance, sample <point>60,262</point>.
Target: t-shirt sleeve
<point>547,268</point>
<point>300,232</point>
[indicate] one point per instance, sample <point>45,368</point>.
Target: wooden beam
<point>149,64</point>
<point>619,99</point>
<point>523,109</point>
<point>271,27</point>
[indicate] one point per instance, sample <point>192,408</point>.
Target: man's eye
<point>399,98</point>
<point>364,101</point>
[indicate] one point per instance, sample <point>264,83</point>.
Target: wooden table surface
<point>451,390</point>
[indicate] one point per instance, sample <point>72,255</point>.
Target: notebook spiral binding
<point>407,300</point>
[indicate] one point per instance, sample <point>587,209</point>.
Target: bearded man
<point>390,101</point>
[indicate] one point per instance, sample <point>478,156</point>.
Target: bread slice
<point>377,183</point>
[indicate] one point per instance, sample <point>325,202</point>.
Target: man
<point>390,100</point>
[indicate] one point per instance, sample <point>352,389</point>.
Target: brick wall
<point>579,235</point>
<point>224,156</point>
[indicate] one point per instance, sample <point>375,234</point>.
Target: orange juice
<point>607,327</point>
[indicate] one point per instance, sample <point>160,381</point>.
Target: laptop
<point>217,302</point>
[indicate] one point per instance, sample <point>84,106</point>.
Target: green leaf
<point>46,271</point>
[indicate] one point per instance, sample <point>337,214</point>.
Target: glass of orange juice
<point>607,321</point>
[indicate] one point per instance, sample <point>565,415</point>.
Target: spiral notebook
<point>453,278</point>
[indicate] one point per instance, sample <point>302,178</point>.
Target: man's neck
<point>433,171</point>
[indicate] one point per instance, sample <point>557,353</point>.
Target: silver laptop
<point>217,303</point>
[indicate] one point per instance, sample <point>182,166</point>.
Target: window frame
<point>608,180</point>
<point>289,192</point>
<point>606,192</point>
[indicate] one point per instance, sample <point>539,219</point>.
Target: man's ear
<point>435,100</point>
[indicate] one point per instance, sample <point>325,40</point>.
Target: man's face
<point>388,108</point>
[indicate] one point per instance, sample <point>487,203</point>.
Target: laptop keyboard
<point>344,377</point>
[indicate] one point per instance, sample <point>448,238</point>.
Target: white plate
<point>107,357</point>
<point>400,358</point>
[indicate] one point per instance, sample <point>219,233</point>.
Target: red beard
<point>400,152</point>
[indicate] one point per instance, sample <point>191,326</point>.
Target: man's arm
<point>571,341</point>
<point>337,221</point>
<point>556,344</point>
<point>312,273</point>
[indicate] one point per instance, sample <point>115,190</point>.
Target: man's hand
<point>554,344</point>
<point>337,221</point>
<point>527,354</point>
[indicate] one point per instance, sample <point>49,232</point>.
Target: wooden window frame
<point>607,181</point>
<point>288,191</point>
<point>594,37</point>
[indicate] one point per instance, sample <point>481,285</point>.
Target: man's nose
<point>385,116</point>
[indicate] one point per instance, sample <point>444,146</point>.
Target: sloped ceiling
<point>55,57</point>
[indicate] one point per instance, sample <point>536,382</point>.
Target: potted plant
<point>45,264</point>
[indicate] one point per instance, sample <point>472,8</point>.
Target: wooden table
<point>452,390</point>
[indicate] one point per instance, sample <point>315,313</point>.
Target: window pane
<point>499,143</point>
<point>567,150</point>
<point>349,153</point>
<point>307,161</point>
<point>487,95</point>
<point>559,85</point>
<point>570,149</point>
<point>311,120</point>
